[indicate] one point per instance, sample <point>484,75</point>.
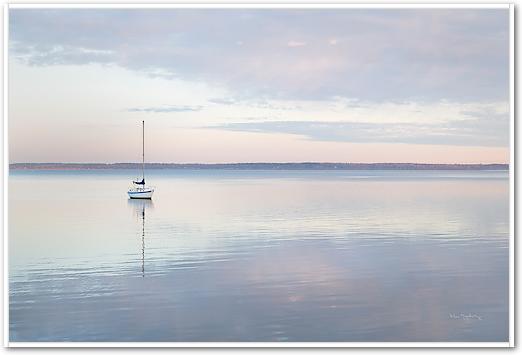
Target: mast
<point>143,151</point>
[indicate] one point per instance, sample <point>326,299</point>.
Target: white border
<point>510,343</point>
<point>261,344</point>
<point>512,175</point>
<point>5,177</point>
<point>263,6</point>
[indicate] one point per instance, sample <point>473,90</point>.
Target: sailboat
<point>139,189</point>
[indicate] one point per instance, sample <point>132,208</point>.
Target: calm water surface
<point>259,256</point>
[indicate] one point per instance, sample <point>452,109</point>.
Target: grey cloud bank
<point>473,132</point>
<point>373,55</point>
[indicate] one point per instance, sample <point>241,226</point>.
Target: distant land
<point>260,166</point>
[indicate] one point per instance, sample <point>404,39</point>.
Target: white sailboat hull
<point>145,193</point>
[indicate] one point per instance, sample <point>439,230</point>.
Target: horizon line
<point>262,166</point>
<point>263,162</point>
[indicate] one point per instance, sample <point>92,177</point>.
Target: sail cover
<point>142,182</point>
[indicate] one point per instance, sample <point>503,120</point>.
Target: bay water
<point>248,255</point>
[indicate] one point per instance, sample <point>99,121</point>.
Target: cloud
<point>222,101</point>
<point>61,54</point>
<point>165,109</point>
<point>400,54</point>
<point>472,132</point>
<point>351,110</point>
<point>296,44</point>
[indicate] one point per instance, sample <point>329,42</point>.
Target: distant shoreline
<point>259,166</point>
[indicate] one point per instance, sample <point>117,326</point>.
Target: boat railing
<point>141,188</point>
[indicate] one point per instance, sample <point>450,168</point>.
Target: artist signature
<point>468,316</point>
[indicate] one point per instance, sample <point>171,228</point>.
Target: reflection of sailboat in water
<point>140,207</point>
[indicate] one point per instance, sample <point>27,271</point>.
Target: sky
<point>259,85</point>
